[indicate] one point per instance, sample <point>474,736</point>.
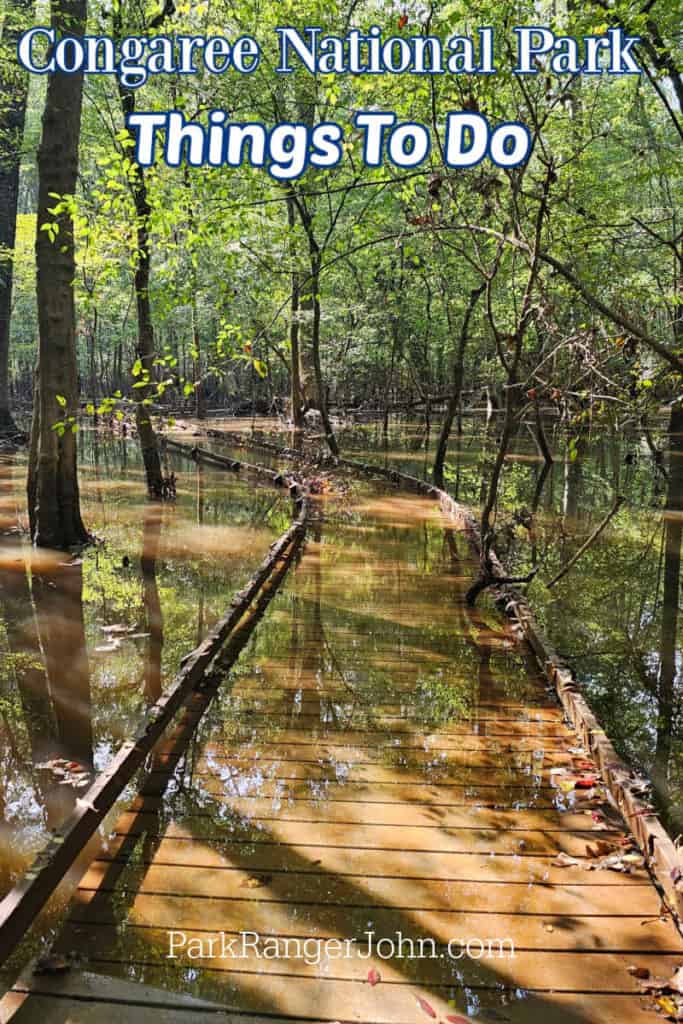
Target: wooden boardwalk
<point>382,762</point>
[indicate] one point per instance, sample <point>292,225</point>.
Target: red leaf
<point>402,22</point>
<point>585,783</point>
<point>457,1020</point>
<point>374,977</point>
<point>424,1005</point>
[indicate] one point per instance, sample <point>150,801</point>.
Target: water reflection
<point>380,758</point>
<point>88,644</point>
<point>152,605</point>
<point>614,617</point>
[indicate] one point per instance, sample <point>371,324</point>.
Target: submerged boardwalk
<point>381,762</point>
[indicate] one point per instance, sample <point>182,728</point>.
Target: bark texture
<point>455,397</point>
<point>13,93</point>
<point>53,499</point>
<point>145,347</point>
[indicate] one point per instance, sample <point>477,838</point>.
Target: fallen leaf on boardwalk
<point>620,862</point>
<point>52,965</point>
<point>587,783</point>
<point>668,1006</point>
<point>676,981</point>
<point>424,1005</point>
<point>255,882</point>
<point>456,1020</point>
<point>374,977</point>
<point>567,785</point>
<point>601,849</point>
<point>653,984</point>
<point>639,972</point>
<point>563,860</point>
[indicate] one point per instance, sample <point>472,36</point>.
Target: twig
<point>618,502</point>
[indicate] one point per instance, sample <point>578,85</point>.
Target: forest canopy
<point>381,265</point>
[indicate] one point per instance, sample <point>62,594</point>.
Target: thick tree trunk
<point>54,505</point>
<point>13,93</point>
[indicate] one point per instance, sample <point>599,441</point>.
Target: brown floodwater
<point>378,753</point>
<point>381,760</point>
<point>87,643</point>
<point>614,617</point>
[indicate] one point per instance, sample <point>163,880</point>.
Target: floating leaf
<point>424,1005</point>
<point>667,1005</point>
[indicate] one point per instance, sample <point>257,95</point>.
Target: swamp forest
<point>341,508</point>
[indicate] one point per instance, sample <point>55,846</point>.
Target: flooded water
<point>87,644</point>
<point>614,617</point>
<point>379,752</point>
<point>382,761</point>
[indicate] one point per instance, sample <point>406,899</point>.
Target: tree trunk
<point>666,688</point>
<point>315,349</point>
<point>307,375</point>
<point>200,400</point>
<point>54,505</point>
<point>13,93</point>
<point>145,345</point>
<point>295,356</point>
<point>454,399</point>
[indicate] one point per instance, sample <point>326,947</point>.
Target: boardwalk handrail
<point>662,856</point>
<point>26,899</point>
